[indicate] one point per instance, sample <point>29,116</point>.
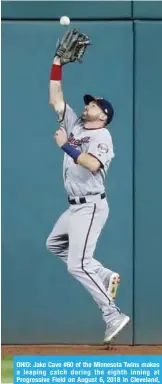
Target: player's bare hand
<point>61,137</point>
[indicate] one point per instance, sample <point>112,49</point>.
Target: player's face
<point>91,112</point>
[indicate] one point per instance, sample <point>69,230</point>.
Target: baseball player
<point>88,151</point>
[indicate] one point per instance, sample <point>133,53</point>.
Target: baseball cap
<point>104,104</point>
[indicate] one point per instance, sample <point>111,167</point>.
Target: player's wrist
<point>56,72</point>
<point>71,151</point>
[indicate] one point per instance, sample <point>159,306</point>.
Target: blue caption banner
<point>88,369</point>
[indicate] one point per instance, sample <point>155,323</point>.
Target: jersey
<point>79,181</point>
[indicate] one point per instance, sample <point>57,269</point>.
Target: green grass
<point>7,369</point>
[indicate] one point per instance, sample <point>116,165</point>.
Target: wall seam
<point>122,19</point>
<point>133,167</point>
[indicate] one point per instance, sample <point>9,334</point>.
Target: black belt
<point>82,200</point>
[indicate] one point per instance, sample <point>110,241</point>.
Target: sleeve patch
<point>102,148</point>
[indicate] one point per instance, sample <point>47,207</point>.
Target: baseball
<point>64,20</point>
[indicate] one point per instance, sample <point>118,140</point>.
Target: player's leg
<point>58,240</point>
<point>85,225</point>
<point>58,244</point>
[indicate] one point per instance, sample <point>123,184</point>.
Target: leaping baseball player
<point>88,151</point>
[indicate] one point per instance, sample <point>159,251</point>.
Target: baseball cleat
<point>115,325</point>
<point>113,284</point>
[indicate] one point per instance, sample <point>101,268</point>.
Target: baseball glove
<point>72,46</point>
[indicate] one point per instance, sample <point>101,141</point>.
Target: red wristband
<point>56,72</point>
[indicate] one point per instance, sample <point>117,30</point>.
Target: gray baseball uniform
<point>76,232</point>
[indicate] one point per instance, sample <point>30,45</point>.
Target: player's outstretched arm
<point>70,48</point>
<point>56,99</point>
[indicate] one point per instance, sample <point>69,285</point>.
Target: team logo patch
<point>102,148</point>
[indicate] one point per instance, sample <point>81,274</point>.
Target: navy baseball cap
<point>104,104</point>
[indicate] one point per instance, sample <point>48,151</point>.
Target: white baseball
<point>64,20</point>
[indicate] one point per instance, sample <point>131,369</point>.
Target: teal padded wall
<point>74,9</point>
<point>147,9</point>
<point>148,183</point>
<point>41,302</point>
